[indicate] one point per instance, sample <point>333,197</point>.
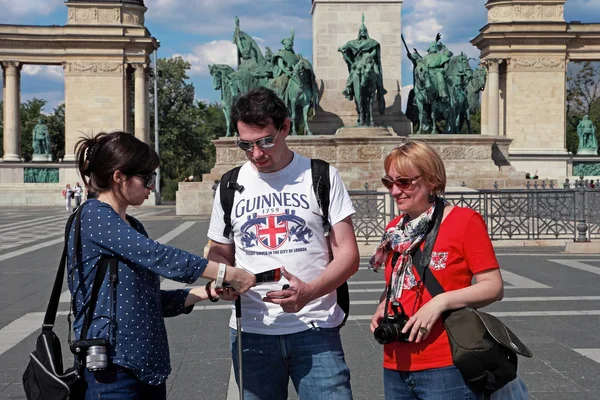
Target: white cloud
<point>44,71</point>
<point>215,52</point>
<point>27,8</point>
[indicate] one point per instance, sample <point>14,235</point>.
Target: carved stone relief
<point>93,68</point>
<point>101,16</point>
<point>518,12</point>
<point>553,64</point>
<point>132,17</point>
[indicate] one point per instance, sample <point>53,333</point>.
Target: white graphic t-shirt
<point>277,222</point>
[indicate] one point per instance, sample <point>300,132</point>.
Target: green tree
<point>186,126</point>
<point>583,98</point>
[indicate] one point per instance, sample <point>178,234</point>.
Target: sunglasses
<point>400,183</point>
<point>148,179</point>
<point>264,143</point>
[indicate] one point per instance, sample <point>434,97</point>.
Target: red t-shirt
<point>462,249</point>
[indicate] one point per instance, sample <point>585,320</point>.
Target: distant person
<point>68,194</point>
<point>527,175</point>
<point>120,169</point>
<point>78,191</point>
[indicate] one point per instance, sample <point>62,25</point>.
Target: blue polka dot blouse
<point>136,330</point>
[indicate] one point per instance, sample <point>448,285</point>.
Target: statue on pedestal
<point>445,88</point>
<point>286,72</point>
<point>365,80</point>
<point>41,142</point>
<point>586,130</point>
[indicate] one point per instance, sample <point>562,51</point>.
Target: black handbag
<point>44,378</point>
<point>483,348</point>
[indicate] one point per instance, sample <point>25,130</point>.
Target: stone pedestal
<point>335,22</point>
<point>41,158</point>
<point>476,161</point>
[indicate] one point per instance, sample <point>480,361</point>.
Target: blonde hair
<point>419,155</point>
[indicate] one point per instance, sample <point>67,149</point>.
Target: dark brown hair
<point>260,107</point>
<point>99,157</point>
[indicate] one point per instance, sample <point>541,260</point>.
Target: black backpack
<point>321,187</point>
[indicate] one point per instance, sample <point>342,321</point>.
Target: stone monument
<point>289,74</point>
<point>41,143</point>
<point>336,23</point>
<point>357,151</point>
<point>588,144</point>
<point>365,75</point>
<point>445,88</point>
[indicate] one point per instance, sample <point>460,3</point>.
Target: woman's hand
<point>227,293</point>
<point>377,317</point>
<point>240,279</point>
<point>422,322</point>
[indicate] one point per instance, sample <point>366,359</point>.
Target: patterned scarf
<point>402,239</point>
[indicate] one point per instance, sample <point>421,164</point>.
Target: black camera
<point>95,351</point>
<point>390,327</point>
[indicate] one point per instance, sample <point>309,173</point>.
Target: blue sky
<point>201,31</point>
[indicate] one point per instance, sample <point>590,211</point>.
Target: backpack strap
<point>322,186</point>
<point>227,189</point>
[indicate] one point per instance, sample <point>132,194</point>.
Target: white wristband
<point>220,276</point>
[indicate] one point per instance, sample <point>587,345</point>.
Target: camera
<point>390,327</point>
<point>96,353</point>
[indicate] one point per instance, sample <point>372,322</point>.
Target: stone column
<point>494,99</point>
<point>485,97</point>
<point>12,119</point>
<point>142,106</point>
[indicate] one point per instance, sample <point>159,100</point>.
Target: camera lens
<point>96,359</point>
<point>386,333</point>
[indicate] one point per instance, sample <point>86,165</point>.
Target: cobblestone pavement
<point>552,302</point>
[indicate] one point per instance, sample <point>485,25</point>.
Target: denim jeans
<point>313,359</point>
<point>431,384</point>
<point>118,383</point>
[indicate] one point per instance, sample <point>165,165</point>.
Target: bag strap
<point>52,307</point>
<point>100,273</point>
<point>227,189</point>
<point>421,259</point>
<point>321,187</point>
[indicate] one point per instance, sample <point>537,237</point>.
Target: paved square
<point>552,302</point>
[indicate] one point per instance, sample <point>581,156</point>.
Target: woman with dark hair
<point>119,168</point>
<point>419,364</point>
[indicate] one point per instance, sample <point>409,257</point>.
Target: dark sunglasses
<point>400,183</point>
<point>264,143</point>
<point>148,179</point>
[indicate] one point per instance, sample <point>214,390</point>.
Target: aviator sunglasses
<point>264,143</point>
<point>400,182</point>
<point>148,179</point>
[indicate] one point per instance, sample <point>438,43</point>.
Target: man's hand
<point>292,299</point>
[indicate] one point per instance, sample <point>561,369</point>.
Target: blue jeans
<point>430,384</point>
<point>118,383</point>
<point>313,359</point>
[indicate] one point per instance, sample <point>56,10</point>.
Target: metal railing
<point>536,212</point>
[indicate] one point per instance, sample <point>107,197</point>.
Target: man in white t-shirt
<point>277,222</point>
